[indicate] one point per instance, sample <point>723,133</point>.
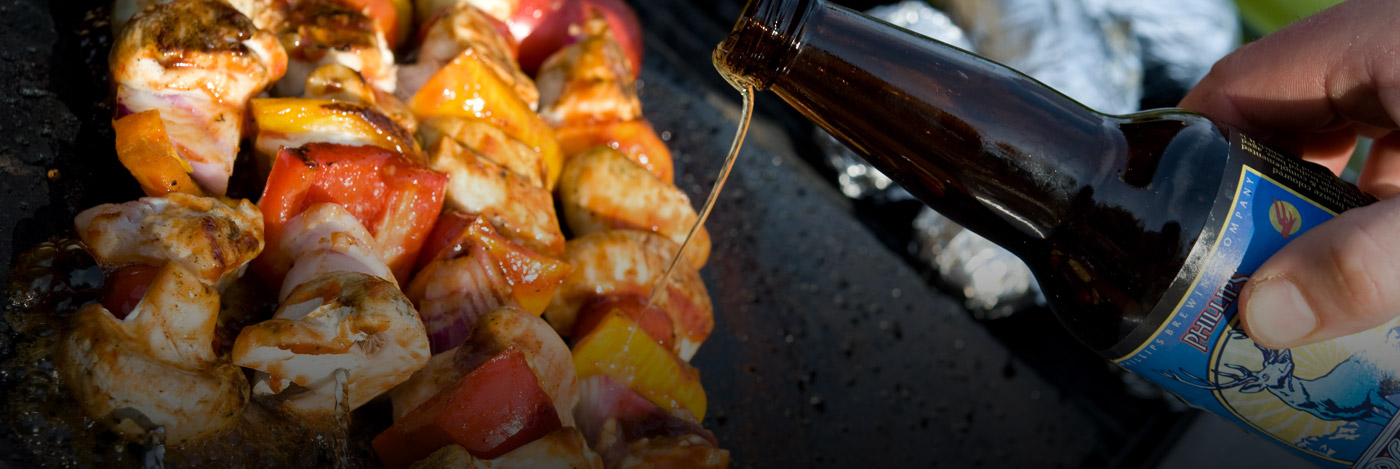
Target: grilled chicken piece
<point>519,210</point>
<point>617,263</point>
<point>197,62</point>
<point>343,320</point>
<point>628,431</point>
<point>264,13</point>
<point>157,366</point>
<point>490,142</point>
<point>206,237</point>
<point>589,82</point>
<point>602,189</point>
<point>562,448</point>
<point>544,351</point>
<point>340,309</point>
<point>322,32</point>
<point>465,28</point>
<point>588,94</point>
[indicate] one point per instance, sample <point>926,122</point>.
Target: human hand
<point>1313,87</point>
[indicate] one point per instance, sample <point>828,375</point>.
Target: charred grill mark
<point>304,154</point>
<point>183,29</point>
<point>328,25</point>
<point>374,118</point>
<point>211,231</point>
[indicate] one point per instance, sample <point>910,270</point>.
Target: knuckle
<point>1363,271</point>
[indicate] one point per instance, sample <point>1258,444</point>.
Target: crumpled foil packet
<point>1108,54</point>
<point>994,283</point>
<point>857,179</point>
<point>1078,47</point>
<point>1180,40</point>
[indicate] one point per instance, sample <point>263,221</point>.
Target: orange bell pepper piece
<point>635,138</point>
<point>146,151</point>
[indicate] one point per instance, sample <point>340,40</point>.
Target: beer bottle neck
<point>985,145</point>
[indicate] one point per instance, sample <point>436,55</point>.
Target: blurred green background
<point>1265,16</point>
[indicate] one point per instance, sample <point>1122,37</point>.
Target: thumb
<point>1339,278</point>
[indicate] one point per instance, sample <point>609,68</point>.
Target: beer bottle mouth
<point>763,41</point>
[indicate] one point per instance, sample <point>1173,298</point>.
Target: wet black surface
<point>829,349</point>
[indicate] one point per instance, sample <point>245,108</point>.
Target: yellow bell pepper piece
<point>622,351</point>
<point>467,87</point>
<point>290,116</point>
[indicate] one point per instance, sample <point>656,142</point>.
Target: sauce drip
<point>746,92</point>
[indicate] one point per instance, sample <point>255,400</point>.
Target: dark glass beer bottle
<point>1141,228</point>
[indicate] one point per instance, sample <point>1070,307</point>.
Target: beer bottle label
<point>1334,402</point>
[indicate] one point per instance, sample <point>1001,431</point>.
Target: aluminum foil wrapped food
<point>856,178</point>
<point>1180,41</point>
<point>993,282</point>
<point>1079,47</point>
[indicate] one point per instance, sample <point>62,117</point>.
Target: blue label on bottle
<point>1333,402</point>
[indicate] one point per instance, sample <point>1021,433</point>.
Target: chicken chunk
<point>264,13</point>
<point>602,189</point>
<point>341,321</point>
<point>197,62</point>
<point>205,236</point>
<point>490,142</point>
<point>519,210</point>
<point>588,82</point>
<point>322,32</point>
<point>157,366</point>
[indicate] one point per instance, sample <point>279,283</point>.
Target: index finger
<point>1323,73</point>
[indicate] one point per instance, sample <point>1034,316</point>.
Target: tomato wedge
<point>126,287</point>
<point>395,198</point>
<point>496,408</point>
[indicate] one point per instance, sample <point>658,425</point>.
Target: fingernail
<point>1277,314</point>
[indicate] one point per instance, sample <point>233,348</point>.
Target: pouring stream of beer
<point>746,91</point>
